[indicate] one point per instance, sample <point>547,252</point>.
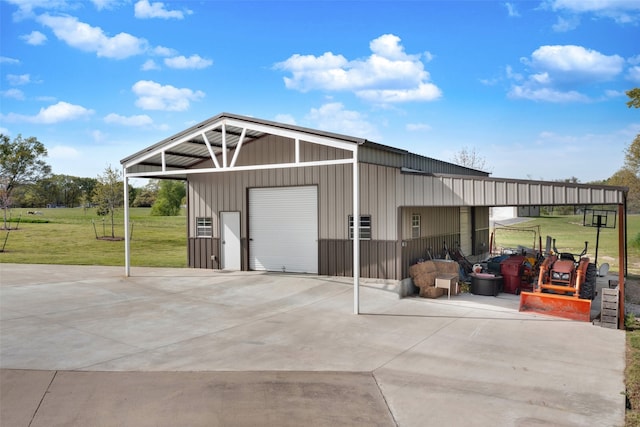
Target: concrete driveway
<point>83,345</point>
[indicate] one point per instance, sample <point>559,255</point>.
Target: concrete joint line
<point>415,345</point>
<point>395,422</point>
<point>33,417</point>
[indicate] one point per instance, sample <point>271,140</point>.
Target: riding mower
<point>565,287</point>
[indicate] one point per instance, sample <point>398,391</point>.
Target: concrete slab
<point>212,399</point>
<point>433,362</point>
<point>20,395</point>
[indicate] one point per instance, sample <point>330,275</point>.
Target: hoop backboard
<point>600,218</point>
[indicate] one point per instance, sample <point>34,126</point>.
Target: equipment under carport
<point>565,287</point>
<point>486,284</point>
<point>516,272</point>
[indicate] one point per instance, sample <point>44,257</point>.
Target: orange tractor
<point>565,287</point>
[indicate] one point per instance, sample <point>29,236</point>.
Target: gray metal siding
<point>211,193</point>
<point>425,190</point>
<point>368,154</point>
<point>427,164</point>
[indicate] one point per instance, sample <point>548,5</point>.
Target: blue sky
<point>535,87</point>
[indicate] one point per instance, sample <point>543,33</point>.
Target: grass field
<point>570,236</point>
<point>69,237</point>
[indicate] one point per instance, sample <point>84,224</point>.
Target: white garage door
<point>283,229</point>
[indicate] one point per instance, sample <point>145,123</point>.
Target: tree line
<point>26,181</point>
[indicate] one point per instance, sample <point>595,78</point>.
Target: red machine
<point>516,274</point>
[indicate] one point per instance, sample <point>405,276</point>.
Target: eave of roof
<point>247,119</point>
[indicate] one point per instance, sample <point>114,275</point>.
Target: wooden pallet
<point>610,308</point>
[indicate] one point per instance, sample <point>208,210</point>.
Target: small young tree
<point>108,195</point>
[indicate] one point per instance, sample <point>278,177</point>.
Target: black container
<point>486,284</point>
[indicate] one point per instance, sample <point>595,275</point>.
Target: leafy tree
<point>170,196</point>
<point>634,98</point>
<point>21,162</point>
<point>146,196</point>
<point>470,159</point>
<point>632,156</point>
<point>108,195</point>
<point>626,178</point>
<point>133,193</point>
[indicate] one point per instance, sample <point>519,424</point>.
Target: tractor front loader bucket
<point>557,305</point>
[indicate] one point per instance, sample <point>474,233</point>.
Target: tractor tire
<point>588,289</point>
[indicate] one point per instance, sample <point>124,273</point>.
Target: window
<point>204,227</point>
<point>365,227</point>
<point>415,226</point>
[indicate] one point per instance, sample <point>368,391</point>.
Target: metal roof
<point>199,143</point>
<point>220,136</point>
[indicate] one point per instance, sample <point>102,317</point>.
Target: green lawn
<point>69,237</point>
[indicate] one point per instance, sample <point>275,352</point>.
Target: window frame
<point>365,228</point>
<point>204,230</point>
<point>416,226</point>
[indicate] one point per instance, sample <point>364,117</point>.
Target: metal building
<point>269,196</point>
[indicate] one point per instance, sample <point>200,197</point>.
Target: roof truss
<point>220,140</point>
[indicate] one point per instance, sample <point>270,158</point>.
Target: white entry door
<point>230,240</point>
<point>283,229</point>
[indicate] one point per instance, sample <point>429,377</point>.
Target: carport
<point>231,161</point>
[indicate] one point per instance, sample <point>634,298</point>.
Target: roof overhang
<point>468,190</point>
<point>220,140</point>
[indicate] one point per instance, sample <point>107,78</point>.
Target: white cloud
<point>182,62</point>
<point>26,8</point>
<point>576,62</point>
<point>163,51</point>
<point>633,74</point>
<point>5,131</point>
<point>18,79</point>
<point>613,93</point>
<point>388,75</point>
<point>145,10</point>
<point>13,93</point>
<point>416,127</point>
<point>60,112</point>
<point>93,39</point>
<point>558,73</point>
<point>154,96</point>
<point>334,118</point>
<point>621,11</point>
<point>424,92</point>
<point>566,24</point>
<point>98,136</point>
<point>139,120</point>
<point>149,64</point>
<point>546,94</point>
<point>285,118</point>
<point>7,60</point>
<point>511,10</point>
<point>63,152</point>
<point>106,4</point>
<point>35,38</point>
